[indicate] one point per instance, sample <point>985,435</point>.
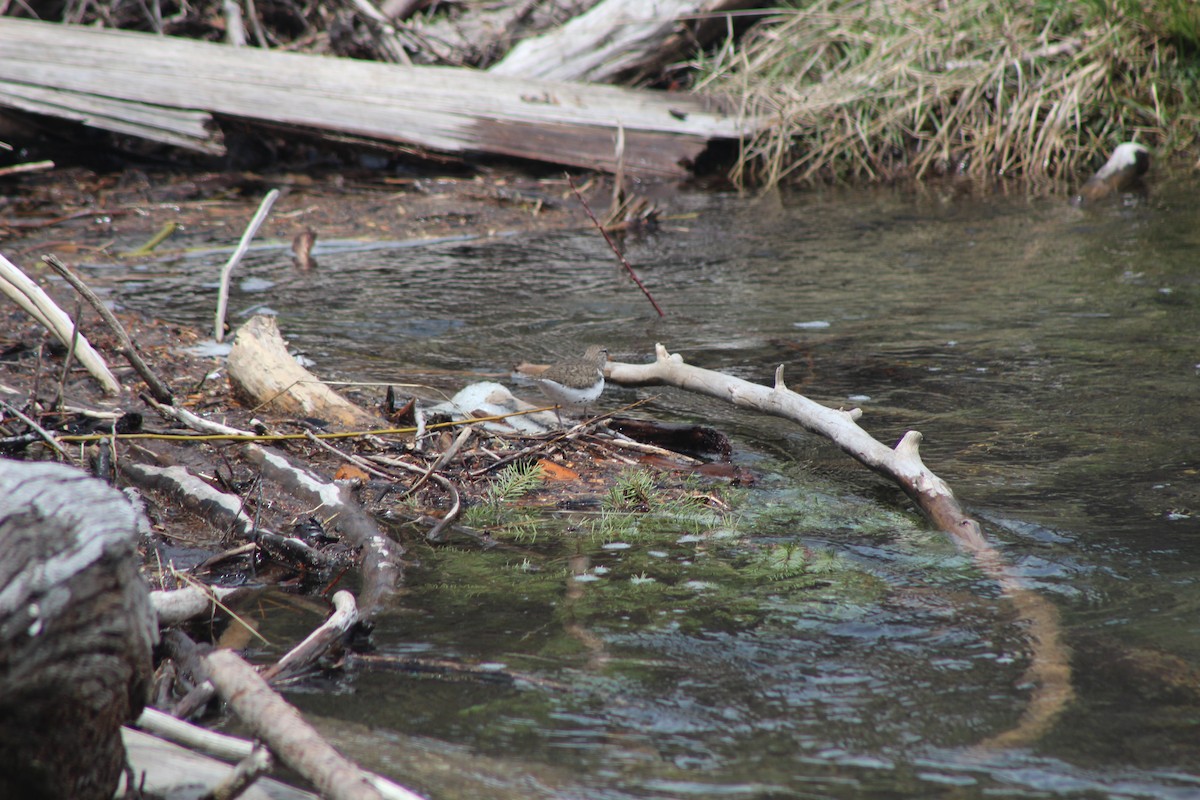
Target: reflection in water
<point>1048,354</point>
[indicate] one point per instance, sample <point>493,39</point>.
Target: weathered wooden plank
<point>180,127</point>
<point>438,108</point>
<point>616,38</point>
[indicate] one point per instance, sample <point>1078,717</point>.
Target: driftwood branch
<point>263,371</point>
<point>380,555</point>
<point>176,606</point>
<point>902,464</point>
<point>247,771</point>
<point>37,304</point>
<point>280,725</point>
<point>1049,670</point>
<point>317,643</point>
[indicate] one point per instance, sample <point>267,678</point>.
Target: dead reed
<point>885,89</point>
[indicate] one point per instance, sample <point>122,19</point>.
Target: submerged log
<point>444,109</point>
<point>76,630</point>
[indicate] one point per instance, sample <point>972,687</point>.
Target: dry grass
<point>882,89</point>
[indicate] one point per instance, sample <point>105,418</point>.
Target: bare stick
<point>196,423</point>
<point>243,776</point>
<point>280,725</point>
<point>66,370</point>
<point>345,614</point>
<point>615,249</point>
<point>29,166</point>
<point>435,533</point>
<point>443,459</point>
<point>260,216</point>
<point>349,458</point>
<point>157,388</point>
<point>217,745</point>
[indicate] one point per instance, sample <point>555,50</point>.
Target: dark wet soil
<point>83,216</point>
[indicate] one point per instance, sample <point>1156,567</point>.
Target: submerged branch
<point>1049,670</point>
<point>902,464</point>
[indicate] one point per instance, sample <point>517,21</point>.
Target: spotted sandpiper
<point>574,383</point>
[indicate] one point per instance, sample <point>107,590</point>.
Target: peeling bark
<point>76,630</point>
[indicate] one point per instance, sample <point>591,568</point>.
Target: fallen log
<point>76,631</point>
<point>444,109</point>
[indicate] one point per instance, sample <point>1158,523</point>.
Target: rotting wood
<point>76,632</point>
<point>617,39</point>
<point>444,109</point>
<point>1049,670</point>
<point>261,369</point>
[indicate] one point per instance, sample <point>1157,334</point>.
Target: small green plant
<point>514,482</point>
<point>636,504</point>
<point>634,490</point>
<point>496,507</point>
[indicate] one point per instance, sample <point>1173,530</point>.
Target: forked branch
<point>902,464</point>
<point>1049,670</point>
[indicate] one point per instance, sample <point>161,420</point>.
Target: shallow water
<point>1050,356</point>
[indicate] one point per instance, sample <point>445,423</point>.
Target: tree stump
<point>76,632</point>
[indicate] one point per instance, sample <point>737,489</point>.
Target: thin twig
<point>260,216</point>
<point>158,389</point>
<point>45,434</point>
<point>615,249</point>
<point>30,166</point>
<point>442,460</point>
<point>66,370</point>
<point>435,533</point>
<point>349,458</point>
